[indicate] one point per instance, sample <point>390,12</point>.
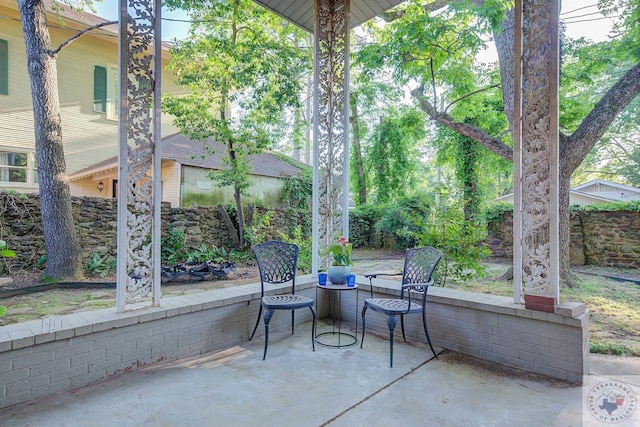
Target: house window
<point>105,91</point>
<point>99,89</point>
<point>4,67</point>
<point>18,167</point>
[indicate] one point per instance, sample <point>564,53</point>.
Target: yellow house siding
<point>16,114</point>
<point>88,136</point>
<point>171,182</point>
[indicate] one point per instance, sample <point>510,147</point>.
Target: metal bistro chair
<point>277,264</point>
<point>419,264</point>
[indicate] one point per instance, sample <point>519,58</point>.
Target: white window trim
<point>112,91</point>
<point>31,162</point>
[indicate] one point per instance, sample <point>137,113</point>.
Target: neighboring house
<point>185,175</point>
<point>87,86</point>
<point>596,191</point>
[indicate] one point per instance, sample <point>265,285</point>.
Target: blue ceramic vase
<point>337,274</point>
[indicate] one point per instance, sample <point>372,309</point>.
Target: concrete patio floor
<point>328,387</point>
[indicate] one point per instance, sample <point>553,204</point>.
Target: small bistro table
<point>340,338</point>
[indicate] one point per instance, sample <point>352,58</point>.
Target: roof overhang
<point>301,12</point>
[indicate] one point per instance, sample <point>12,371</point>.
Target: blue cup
<point>322,279</point>
<point>351,280</point>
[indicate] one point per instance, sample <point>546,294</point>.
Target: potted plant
<point>339,269</point>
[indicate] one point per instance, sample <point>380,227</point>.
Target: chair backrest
<point>419,265</point>
<point>277,262</point>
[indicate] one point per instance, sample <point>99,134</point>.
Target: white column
<point>330,216</point>
<point>139,176</point>
<point>540,149</point>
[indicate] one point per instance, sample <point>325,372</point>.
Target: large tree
<point>431,47</point>
<point>243,69</point>
<point>64,254</point>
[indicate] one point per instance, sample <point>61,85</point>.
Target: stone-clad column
<point>139,192</point>
<point>330,139</point>
<point>538,240</point>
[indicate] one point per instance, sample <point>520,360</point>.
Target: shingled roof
<point>188,152</point>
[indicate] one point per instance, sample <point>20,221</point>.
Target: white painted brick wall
<point>39,358</point>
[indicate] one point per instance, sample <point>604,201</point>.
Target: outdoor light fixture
<point>100,186</point>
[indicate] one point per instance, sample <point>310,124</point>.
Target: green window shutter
<point>100,89</point>
<point>4,67</point>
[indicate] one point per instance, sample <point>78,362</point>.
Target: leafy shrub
<point>362,225</point>
<point>304,248</point>
<point>297,190</point>
<point>255,232</point>
<point>494,214</point>
<point>99,265</point>
<point>458,242</point>
<point>208,254</point>
<point>172,247</point>
<point>405,221</point>
<point>633,206</point>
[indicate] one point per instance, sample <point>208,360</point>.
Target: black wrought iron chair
<point>277,263</point>
<point>419,265</point>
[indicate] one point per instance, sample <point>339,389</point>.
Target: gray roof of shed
<point>188,152</point>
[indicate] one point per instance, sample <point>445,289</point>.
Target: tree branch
<point>577,145</point>
<point>470,131</point>
<point>79,34</point>
<point>394,14</point>
<point>470,94</point>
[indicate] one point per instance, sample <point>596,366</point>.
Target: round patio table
<point>336,337</point>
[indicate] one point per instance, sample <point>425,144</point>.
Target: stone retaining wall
<point>603,238</point>
<point>97,221</point>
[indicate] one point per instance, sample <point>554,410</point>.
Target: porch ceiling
<point>301,12</point>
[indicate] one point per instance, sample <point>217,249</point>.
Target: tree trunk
<point>567,278</point>
<point>357,152</point>
<point>64,254</point>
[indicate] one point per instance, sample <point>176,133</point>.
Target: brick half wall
<point>43,357</point>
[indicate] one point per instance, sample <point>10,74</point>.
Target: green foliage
<point>458,241</point>
<point>4,252</point>
<point>100,265</point>
<point>405,220</point>
<point>243,69</point>
<point>298,189</point>
<point>632,206</point>
<point>255,232</point>
<point>615,349</point>
<point>362,224</point>
<point>208,254</point>
<point>172,249</point>
<point>494,213</point>
<point>303,242</point>
<point>393,158</point>
<point>341,252</point>
<point>3,310</point>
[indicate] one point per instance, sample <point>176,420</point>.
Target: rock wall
<point>97,221</point>
<point>604,238</point>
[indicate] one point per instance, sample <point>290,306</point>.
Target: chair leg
<point>426,331</point>
<point>267,318</point>
<point>292,317</point>
<point>404,337</point>
<point>364,309</point>
<point>313,328</point>
<point>392,320</point>
<point>255,328</point>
